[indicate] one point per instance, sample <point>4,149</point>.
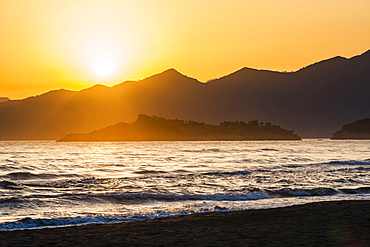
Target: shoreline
<point>334,223</point>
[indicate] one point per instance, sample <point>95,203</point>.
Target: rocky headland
<point>356,130</point>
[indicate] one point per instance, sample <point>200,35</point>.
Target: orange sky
<point>73,44</point>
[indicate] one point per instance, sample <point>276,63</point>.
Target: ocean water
<point>52,184</point>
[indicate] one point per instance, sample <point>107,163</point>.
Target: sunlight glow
<point>103,66</point>
<point>113,41</point>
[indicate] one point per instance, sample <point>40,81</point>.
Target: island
<point>152,128</point>
<point>356,130</point>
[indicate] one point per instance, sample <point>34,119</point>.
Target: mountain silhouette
<point>314,101</point>
<point>152,128</point>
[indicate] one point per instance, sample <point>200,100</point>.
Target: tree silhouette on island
<point>152,128</point>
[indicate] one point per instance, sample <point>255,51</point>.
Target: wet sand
<point>345,223</point>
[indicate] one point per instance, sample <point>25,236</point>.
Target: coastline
<point>336,223</point>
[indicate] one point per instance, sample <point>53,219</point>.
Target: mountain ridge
<point>314,102</point>
<point>173,70</point>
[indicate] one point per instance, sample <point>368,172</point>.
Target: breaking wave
<point>28,222</point>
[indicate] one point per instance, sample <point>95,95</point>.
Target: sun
<point>103,66</point>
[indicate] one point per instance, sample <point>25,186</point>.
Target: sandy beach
<point>345,223</point>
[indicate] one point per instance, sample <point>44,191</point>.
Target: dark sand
<point>344,223</point>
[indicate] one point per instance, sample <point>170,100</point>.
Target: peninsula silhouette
<point>356,130</point>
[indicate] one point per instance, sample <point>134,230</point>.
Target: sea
<point>47,184</point>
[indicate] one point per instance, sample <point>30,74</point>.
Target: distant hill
<point>147,128</point>
<point>3,99</point>
<point>357,130</point>
<point>315,101</point>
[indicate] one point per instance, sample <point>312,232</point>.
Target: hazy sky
<point>73,44</point>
